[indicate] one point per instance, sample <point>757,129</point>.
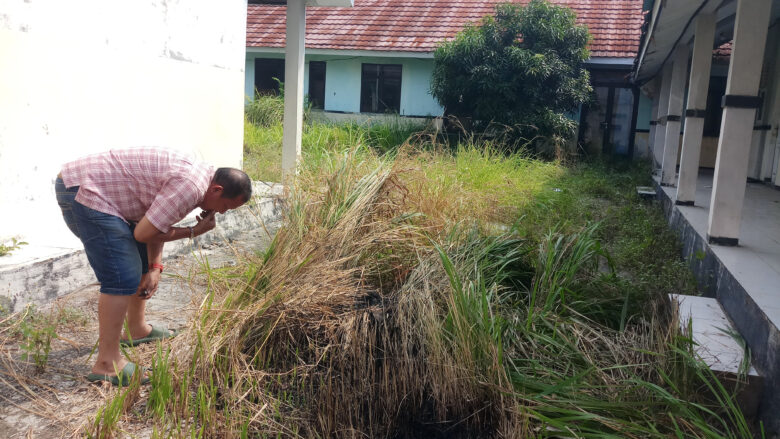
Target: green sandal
<point>124,377</point>
<point>156,334</point>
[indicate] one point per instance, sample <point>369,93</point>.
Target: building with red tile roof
<point>377,57</point>
<point>419,26</point>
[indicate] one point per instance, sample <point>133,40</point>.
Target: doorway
<point>607,124</point>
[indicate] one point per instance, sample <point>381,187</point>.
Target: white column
<point>747,55</point>
<point>660,117</point>
<point>293,87</point>
<point>673,115</point>
<point>697,102</point>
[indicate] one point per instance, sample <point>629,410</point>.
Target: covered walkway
<point>744,278</point>
<point>755,263</point>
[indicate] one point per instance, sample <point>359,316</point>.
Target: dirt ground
<point>59,402</point>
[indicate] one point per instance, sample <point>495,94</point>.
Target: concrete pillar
<point>697,104</point>
<point>739,111</point>
<point>293,87</point>
<point>660,117</point>
<point>673,116</point>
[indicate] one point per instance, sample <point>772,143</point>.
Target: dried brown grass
<point>338,331</point>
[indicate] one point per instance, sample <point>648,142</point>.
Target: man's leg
<point>136,318</point>
<point>136,308</point>
<point>111,316</point>
<point>112,254</point>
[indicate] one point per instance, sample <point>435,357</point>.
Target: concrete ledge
<point>721,348</point>
<point>43,274</point>
<point>715,280</point>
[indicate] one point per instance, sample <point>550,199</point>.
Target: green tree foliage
<point>521,68</point>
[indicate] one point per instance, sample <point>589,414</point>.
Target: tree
<point>521,68</point>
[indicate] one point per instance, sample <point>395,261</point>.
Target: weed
<point>7,248</point>
<point>37,331</point>
<point>161,382</point>
<point>107,417</point>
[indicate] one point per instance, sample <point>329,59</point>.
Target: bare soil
<point>59,402</point>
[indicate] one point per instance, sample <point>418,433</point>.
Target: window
<point>317,84</point>
<point>380,90</point>
<point>266,69</point>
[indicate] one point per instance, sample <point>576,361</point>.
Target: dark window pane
<point>380,90</point>
<point>620,125</point>
<point>317,84</point>
<point>714,111</point>
<point>266,69</point>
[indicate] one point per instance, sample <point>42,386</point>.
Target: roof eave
<point>594,62</point>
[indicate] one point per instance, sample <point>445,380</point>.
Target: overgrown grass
<point>265,111</point>
<point>446,292</point>
<point>263,144</point>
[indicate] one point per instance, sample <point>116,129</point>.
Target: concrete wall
<point>771,157</point>
<point>342,81</point>
<point>373,118</point>
<point>88,75</point>
<point>642,145</point>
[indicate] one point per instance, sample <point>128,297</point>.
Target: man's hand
<point>206,221</point>
<point>149,283</point>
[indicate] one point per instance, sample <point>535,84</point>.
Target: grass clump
<point>265,110</point>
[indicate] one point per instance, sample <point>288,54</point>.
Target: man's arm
<point>151,280</point>
<point>149,234</point>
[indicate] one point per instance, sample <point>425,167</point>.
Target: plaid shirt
<point>160,184</point>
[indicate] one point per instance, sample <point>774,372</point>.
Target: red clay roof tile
<point>418,26</point>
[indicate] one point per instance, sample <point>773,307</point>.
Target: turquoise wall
<point>342,82</point>
<point>644,112</point>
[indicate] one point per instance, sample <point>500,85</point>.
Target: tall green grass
<point>263,141</point>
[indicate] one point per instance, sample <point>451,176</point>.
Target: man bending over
<point>122,204</point>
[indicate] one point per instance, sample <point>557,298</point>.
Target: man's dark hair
<point>234,183</point>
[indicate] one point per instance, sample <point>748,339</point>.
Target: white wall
<point>88,75</point>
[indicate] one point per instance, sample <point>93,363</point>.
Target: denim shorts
<point>117,258</point>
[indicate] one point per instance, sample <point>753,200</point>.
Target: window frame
<point>386,81</point>
<point>274,64</point>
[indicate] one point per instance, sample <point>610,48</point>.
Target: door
<point>619,140</point>
<point>607,124</point>
<point>317,84</point>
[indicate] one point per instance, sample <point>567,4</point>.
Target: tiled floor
<point>755,262</point>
